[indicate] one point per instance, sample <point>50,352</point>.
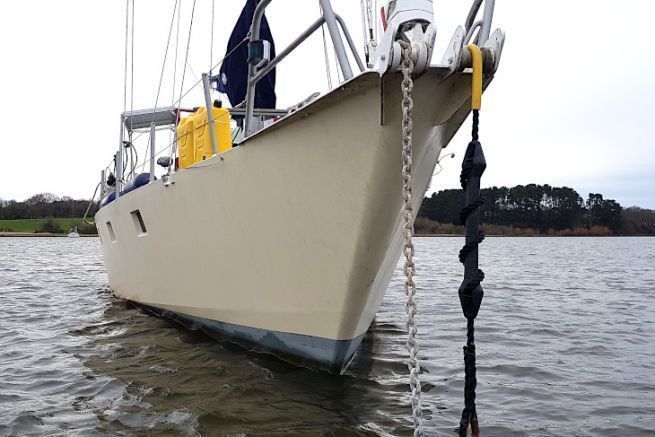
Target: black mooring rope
<point>476,124</point>
<point>470,292</point>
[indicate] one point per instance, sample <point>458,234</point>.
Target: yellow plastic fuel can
<point>194,139</point>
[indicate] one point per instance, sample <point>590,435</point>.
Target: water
<point>565,348</point>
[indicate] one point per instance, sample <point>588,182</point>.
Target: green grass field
<point>34,225</point>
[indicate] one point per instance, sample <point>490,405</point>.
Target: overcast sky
<point>571,104</point>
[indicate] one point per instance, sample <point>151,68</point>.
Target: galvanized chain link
<point>407,86</point>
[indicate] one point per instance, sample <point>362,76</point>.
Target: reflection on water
<point>560,343</point>
<point>175,379</point>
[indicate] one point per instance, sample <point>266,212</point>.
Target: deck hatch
<point>110,230</point>
<point>139,224</point>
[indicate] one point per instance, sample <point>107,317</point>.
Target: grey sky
<point>571,104</point>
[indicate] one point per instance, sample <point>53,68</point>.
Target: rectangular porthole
<point>110,230</point>
<point>139,224</point>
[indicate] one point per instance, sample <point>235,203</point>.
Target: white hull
<point>288,241</point>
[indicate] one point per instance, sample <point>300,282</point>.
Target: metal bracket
<point>457,57</point>
<point>495,43</point>
<point>452,59</point>
<point>413,22</point>
<point>168,180</point>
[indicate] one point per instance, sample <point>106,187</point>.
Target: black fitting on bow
<point>473,166</point>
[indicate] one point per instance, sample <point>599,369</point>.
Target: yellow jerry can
<point>202,137</point>
<point>187,151</point>
<point>194,139</point>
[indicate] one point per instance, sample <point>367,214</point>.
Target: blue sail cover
<point>233,77</point>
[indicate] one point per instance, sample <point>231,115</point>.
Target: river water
<point>565,336</point>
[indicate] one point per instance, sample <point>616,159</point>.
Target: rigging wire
<point>193,73</point>
<point>336,63</point>
<point>172,144</point>
<point>211,46</point>
<point>220,61</point>
<point>186,56</point>
<point>325,52</point>
<point>88,208</point>
<point>168,43</point>
<point>374,25</point>
<point>163,69</point>
<point>177,41</point>
<point>127,35</point>
<point>365,27</point>
<point>134,156</point>
<point>338,66</point>
<point>132,70</point>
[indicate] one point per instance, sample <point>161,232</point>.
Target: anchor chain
<point>407,85</point>
<point>470,292</point>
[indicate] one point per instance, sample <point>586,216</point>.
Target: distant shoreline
<point>420,235</point>
<point>40,234</point>
<point>423,226</point>
<point>533,236</point>
<point>46,227</point>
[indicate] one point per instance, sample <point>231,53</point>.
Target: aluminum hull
<point>295,232</point>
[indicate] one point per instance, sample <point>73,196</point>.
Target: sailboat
<point>72,233</point>
<point>324,177</point>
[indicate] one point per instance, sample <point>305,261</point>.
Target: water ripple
<point>565,347</point>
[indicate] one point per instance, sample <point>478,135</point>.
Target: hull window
<point>110,230</point>
<point>139,224</point>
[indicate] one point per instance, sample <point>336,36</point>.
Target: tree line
<point>543,208</point>
<point>45,205</point>
<point>540,207</point>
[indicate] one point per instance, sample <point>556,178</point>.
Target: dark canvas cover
<point>233,77</point>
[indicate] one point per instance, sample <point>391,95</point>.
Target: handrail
<point>257,19</point>
<point>485,23</point>
<point>471,30</point>
<point>475,7</point>
<point>485,29</point>
<point>350,42</point>
<point>284,53</point>
<point>329,18</point>
<point>331,21</point>
<point>303,36</point>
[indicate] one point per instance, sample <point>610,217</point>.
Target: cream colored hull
<point>297,230</point>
